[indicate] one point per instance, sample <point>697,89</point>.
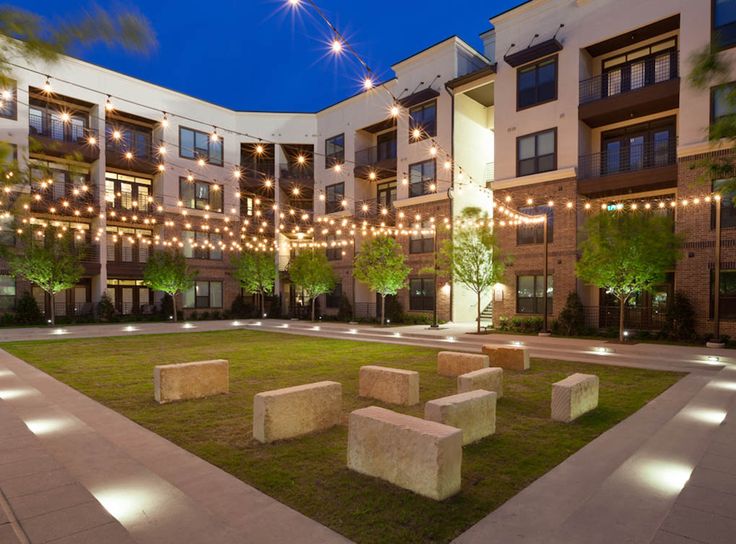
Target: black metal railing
<point>632,158</point>
<point>374,155</point>
<point>645,318</point>
<point>375,210</point>
<point>631,76</point>
<point>296,171</point>
<point>60,130</point>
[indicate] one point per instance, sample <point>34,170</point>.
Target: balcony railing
<point>630,77</point>
<point>375,210</point>
<point>634,158</point>
<point>296,171</point>
<point>374,155</point>
<point>643,318</point>
<point>54,196</point>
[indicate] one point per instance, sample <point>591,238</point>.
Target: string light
<point>368,83</point>
<point>108,104</point>
<point>47,86</point>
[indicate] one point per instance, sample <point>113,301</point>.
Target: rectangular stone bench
<point>474,412</point>
<point>574,396</point>
<point>389,385</point>
<point>190,380</point>
<point>509,357</point>
<point>490,379</point>
<point>296,411</point>
<point>422,456</point>
<point>453,363</point>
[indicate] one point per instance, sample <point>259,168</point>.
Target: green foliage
<point>240,308</point>
<point>394,310</point>
<point>256,272</point>
<point>524,325</point>
<point>310,271</point>
<point>167,271</point>
<point>27,311</point>
<point>105,309</point>
<point>345,312</point>
<point>680,319</point>
<point>571,321</point>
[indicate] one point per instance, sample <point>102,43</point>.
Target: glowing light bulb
<point>268,183</point>
<point>416,133</point>
<point>214,136</point>
<point>7,95</point>
<point>47,86</point>
<point>161,168</point>
<point>259,149</point>
<point>92,140</point>
<point>66,117</point>
<point>165,121</point>
<point>116,135</point>
<point>201,162</point>
<point>395,111</point>
<point>368,83</point>
<point>128,155</point>
<point>301,159</point>
<point>108,104</point>
<point>338,168</point>
<point>336,46</point>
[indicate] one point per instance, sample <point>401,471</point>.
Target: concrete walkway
<point>664,475</point>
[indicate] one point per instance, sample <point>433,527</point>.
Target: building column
<point>99,223</point>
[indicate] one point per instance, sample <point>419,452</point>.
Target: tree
<point>473,257</point>
<point>256,272</point>
<point>627,253</point>
<point>311,272</point>
<point>380,265</point>
<point>167,271</point>
<point>53,263</point>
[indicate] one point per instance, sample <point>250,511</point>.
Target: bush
<point>394,311</point>
<point>7,319</point>
<point>520,324</point>
<point>205,316</point>
<point>105,309</point>
<point>571,321</point>
<point>680,319</point>
<point>240,308</point>
<point>27,311</point>
<point>345,312</point>
<point>167,307</point>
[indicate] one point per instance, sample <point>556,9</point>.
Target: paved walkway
<point>663,476</point>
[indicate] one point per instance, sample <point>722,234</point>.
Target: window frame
<point>334,206</point>
<point>426,302</point>
<point>13,102</point>
<point>334,157</point>
<point>218,162</point>
<point>715,31</point>
<point>536,135</point>
<point>201,253</point>
<point>535,65</point>
<point>538,302</point>
<point>433,180</point>
<point>183,181</point>
<point>713,91</point>
<point>421,243</point>
<point>536,230</point>
<point>209,306</point>
<point>412,125</point>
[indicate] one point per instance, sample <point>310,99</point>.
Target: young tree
<point>627,253</point>
<point>472,256</point>
<point>52,264</point>
<point>311,272</point>
<point>380,265</point>
<point>167,271</point>
<point>256,272</point>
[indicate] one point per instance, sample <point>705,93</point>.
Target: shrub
<point>275,311</point>
<point>105,309</point>
<point>571,321</point>
<point>680,319</point>
<point>345,312</point>
<point>194,316</point>
<point>394,311</point>
<point>205,316</point>
<point>240,308</point>
<point>7,319</point>
<point>520,324</point>
<point>167,307</point>
<point>27,311</point>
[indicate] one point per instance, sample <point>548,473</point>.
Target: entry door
<point>127,296</point>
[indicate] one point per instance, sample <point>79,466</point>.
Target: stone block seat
<point>190,380</point>
<point>453,363</point>
<point>473,412</point>
<point>419,455</point>
<point>508,357</point>
<point>296,411</point>
<point>389,385</point>
<point>490,379</point>
<point>574,396</point>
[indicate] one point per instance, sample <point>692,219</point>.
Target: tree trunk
<point>314,299</point>
<point>52,310</point>
<point>479,312</point>
<point>383,310</point>
<point>173,304</point>
<point>622,303</point>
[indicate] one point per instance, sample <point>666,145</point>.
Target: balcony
<point>379,160</point>
<point>133,160</point>
<point>637,168</point>
<point>634,89</point>
<point>58,138</point>
<point>51,198</point>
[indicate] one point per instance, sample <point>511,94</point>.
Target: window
<point>633,148</point>
<point>724,22</point>
<point>202,245</point>
<point>7,232</point>
<point>128,192</point>
<point>334,195</point>
<point>200,195</point>
<point>333,299</point>
<point>723,101</point>
<point>334,150</point>
<point>422,178</point>
<point>127,245</point>
<point>536,84</point>
<point>386,146</point>
<point>421,294</point>
<point>194,144</point>
<point>49,123</point>
<point>56,181</point>
<point>638,68</point>
<point>727,302</point>
<point>7,292</point>
<point>530,294</point>
<point>334,252</point>
<point>204,294</point>
<point>423,118</point>
<point>534,233</point>
<point>133,138</point>
<point>728,210</point>
<point>422,241</point>
<point>9,101</point>
<point>536,153</point>
<point>386,195</point>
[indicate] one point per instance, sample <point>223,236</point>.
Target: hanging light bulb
<point>301,159</point>
<point>65,117</point>
<point>338,168</point>
<point>367,83</point>
<point>395,110</point>
<point>116,135</point>
<point>162,149</point>
<point>336,46</point>
<point>108,104</point>
<point>165,120</point>
<point>259,149</point>
<point>47,86</point>
<point>91,140</point>
<point>416,133</point>
<point>214,136</point>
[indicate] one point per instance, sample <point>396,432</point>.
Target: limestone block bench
<point>390,385</point>
<point>190,380</point>
<point>296,411</point>
<point>490,379</point>
<point>453,363</point>
<point>509,357</point>
<point>473,412</point>
<point>419,455</point>
<point>574,396</point>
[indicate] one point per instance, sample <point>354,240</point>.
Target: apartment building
<point>598,109</point>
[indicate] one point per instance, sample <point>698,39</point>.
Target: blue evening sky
<point>257,55</point>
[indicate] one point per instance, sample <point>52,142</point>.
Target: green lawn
<point>309,474</point>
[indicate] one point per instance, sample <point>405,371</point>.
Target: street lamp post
<point>434,325</point>
<point>716,341</point>
<point>545,319</point>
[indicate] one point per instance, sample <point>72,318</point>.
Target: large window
<point>638,68</point>
<point>386,146</point>
<point>7,292</point>
<point>727,303</point>
<point>536,153</point>
<point>530,294</point>
<point>333,299</point>
<point>66,126</point>
<point>7,232</point>
<point>386,195</point>
<point>57,181</point>
<point>9,101</point>
<point>128,245</point>
<point>421,294</point>
<point>202,245</point>
<point>194,144</point>
<point>723,101</point>
<point>422,241</point>
<point>724,22</point>
<point>204,294</point>
<point>422,176</point>
<point>334,195</point>
<point>633,148</point>
<point>128,192</point>
<point>200,195</point>
<point>424,119</point>
<point>537,83</point>
<point>130,296</point>
<point>334,150</point>
<point>533,233</point>
<point>334,252</point>
<point>130,138</point>
<point>728,209</point>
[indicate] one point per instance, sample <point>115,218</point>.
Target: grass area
<point>309,474</point>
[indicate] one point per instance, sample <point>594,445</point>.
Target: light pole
<point>716,341</point>
<point>545,318</point>
<point>434,325</point>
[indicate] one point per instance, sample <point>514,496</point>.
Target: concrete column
<point>99,224</point>
<point>277,158</point>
